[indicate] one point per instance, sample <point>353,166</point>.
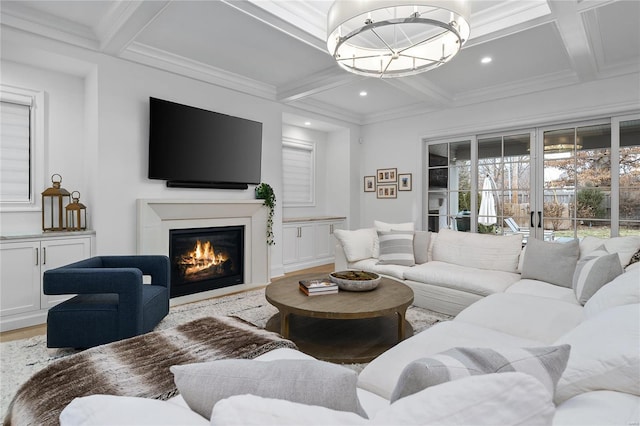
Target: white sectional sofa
<point>534,352</point>
<point>598,383</point>
<point>451,270</point>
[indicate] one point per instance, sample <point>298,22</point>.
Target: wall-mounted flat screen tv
<point>196,148</point>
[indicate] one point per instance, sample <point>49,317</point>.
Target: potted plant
<point>265,192</point>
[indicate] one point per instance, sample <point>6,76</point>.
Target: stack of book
<point>318,287</point>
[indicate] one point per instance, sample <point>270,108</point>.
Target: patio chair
<point>515,229</point>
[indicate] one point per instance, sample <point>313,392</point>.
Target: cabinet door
<point>323,240</point>
<point>289,244</point>
<point>306,243</point>
<point>56,253</point>
<point>20,277</point>
<point>332,239</point>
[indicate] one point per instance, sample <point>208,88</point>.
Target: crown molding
<point>147,55</point>
<point>327,79</point>
<point>330,111</point>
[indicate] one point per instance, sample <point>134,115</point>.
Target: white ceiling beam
<point>324,80</point>
<point>575,39</point>
<point>119,28</point>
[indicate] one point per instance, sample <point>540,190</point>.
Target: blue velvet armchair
<point>111,301</point>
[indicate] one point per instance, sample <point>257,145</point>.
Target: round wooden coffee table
<point>345,326</point>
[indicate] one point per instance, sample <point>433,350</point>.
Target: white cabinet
<point>23,262</point>
<point>308,242</point>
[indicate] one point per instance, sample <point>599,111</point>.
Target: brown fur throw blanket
<point>138,366</point>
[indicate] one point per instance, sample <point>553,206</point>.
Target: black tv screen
<point>193,147</point>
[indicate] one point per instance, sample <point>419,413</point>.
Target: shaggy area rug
<point>21,359</point>
<point>138,366</point>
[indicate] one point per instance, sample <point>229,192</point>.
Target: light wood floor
<point>36,330</point>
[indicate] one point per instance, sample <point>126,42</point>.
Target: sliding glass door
<point>552,183</point>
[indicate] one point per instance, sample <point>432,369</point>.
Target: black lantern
<point>53,201</point>
<point>76,213</point>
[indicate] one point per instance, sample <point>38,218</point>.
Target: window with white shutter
<point>19,149</point>
<point>298,172</point>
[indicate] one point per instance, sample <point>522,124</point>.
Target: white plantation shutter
<point>15,152</point>
<point>298,172</point>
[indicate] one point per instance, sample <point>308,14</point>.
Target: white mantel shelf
<point>156,217</point>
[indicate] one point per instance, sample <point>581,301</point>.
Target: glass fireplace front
<point>206,258</point>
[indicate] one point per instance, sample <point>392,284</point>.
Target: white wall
<point>64,136</point>
<point>97,134</point>
<point>398,143</point>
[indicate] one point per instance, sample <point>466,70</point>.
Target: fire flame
<point>201,258</point>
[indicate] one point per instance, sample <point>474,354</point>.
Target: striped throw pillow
<point>396,248</point>
<point>544,363</point>
<point>593,271</point>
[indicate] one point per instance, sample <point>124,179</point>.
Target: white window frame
<point>297,144</point>
<point>35,100</point>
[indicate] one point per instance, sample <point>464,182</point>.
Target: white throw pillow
<point>604,354</point>
<point>386,227</point>
<point>624,246</point>
<point>551,262</point>
<point>623,290</point>
<point>594,271</point>
<point>358,244</point>
<point>114,410</point>
<point>494,399</point>
<point>599,408</point>
<point>544,363</point>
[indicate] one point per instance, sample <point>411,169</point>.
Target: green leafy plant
<point>265,192</point>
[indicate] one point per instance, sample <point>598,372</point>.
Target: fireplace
<point>205,259</point>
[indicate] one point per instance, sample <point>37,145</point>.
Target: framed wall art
<point>404,182</point>
<point>369,184</point>
<point>387,191</point>
<point>387,175</point>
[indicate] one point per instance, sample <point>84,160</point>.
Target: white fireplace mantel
<point>157,217</point>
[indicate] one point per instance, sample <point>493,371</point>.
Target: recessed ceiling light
<point>486,60</point>
<point>307,123</point>
<point>363,93</point>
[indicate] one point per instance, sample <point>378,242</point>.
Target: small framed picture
<point>387,175</point>
<point>387,191</point>
<point>369,184</point>
<point>404,182</point>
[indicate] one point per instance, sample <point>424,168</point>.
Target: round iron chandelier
<point>396,38</point>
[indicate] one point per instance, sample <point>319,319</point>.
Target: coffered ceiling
<point>275,49</point>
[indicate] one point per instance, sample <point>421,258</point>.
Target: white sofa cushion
<point>305,381</point>
<point>604,354</point>
<point>504,399</point>
<point>396,248</point>
<point>473,280</point>
<point>543,289</point>
<point>624,246</point>
<point>381,375</point>
<point>623,290</point>
<point>530,317</point>
<point>594,271</point>
<point>551,262</point>
<point>111,410</point>
<point>358,244</point>
<point>498,253</point>
<point>599,408</point>
<point>371,265</point>
<point>545,363</point>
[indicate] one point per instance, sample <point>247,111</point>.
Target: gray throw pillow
<point>544,363</point>
<point>421,240</point>
<point>310,382</point>
<point>554,263</point>
<point>593,271</point>
<point>396,248</point>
